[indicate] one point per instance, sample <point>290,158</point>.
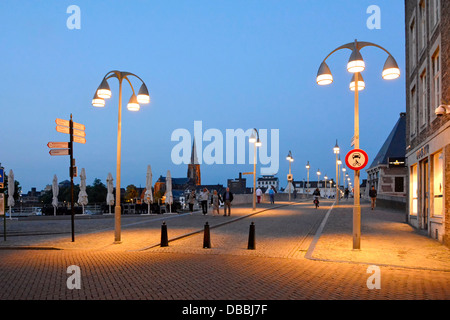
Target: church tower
<point>194,167</point>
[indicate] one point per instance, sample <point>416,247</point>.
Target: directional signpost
<point>77,134</point>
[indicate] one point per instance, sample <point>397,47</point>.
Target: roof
<point>175,181</point>
<point>395,144</point>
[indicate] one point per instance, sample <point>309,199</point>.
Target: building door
<point>425,194</point>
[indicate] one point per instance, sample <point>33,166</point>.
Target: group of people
<point>271,192</point>
<point>215,198</point>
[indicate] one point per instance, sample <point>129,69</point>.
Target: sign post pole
<point>71,178</point>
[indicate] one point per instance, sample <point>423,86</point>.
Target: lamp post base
<point>117,216</point>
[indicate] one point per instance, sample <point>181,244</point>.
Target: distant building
<point>388,171</point>
<point>237,186</point>
<point>31,197</point>
<point>268,181</point>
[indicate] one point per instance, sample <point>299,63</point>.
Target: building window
<point>423,99</point>
<point>412,44</point>
<point>438,184</point>
<point>435,13</point>
<point>422,25</point>
<point>413,112</point>
<point>413,190</point>
<point>399,184</point>
<point>436,79</point>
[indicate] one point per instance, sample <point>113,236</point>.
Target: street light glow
<point>356,62</point>
<point>133,104</point>
<point>391,70</point>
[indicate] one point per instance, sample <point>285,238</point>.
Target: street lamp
<point>257,143</point>
<point>318,178</point>
<point>343,176</point>
<point>103,92</point>
<point>325,178</point>
<point>290,159</point>
<point>339,163</point>
<point>307,169</point>
<point>356,65</point>
<point>336,150</point>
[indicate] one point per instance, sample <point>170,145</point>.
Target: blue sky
<point>231,64</point>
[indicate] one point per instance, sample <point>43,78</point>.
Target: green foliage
<point>131,193</point>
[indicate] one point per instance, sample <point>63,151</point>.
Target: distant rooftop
<point>395,144</point>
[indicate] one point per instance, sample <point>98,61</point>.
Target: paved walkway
<point>291,261</point>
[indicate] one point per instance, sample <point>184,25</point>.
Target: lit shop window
<point>438,184</point>
<point>413,190</point>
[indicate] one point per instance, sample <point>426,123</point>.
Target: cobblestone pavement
<point>277,270</point>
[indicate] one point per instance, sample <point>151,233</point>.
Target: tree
<point>97,192</point>
<point>131,193</point>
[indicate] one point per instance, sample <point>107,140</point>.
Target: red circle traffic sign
<point>356,159</point>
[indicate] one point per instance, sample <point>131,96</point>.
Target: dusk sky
<point>230,64</point>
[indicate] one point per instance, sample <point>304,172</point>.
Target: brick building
<point>427,31</point>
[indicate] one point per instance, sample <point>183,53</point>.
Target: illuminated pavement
<point>412,266</point>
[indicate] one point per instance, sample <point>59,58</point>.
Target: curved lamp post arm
<point>359,45</point>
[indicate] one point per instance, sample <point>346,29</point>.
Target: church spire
<point>194,167</point>
<point>194,159</point>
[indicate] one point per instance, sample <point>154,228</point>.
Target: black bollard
<point>206,237</point>
<point>164,238</point>
<point>251,237</point>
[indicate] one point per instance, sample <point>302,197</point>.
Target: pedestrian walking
<point>272,195</point>
<point>215,201</point>
<point>204,196</point>
<point>346,193</point>
<point>191,201</point>
<point>258,195</point>
<point>295,193</point>
<point>227,199</point>
<point>373,196</point>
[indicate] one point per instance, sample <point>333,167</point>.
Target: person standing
<point>373,196</point>
<point>191,201</point>
<point>215,201</point>
<point>258,195</point>
<point>272,195</point>
<point>227,199</point>
<point>204,196</point>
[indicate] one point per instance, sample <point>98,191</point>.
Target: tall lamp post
<point>290,159</point>
<point>343,176</point>
<point>336,152</point>
<point>339,163</point>
<point>307,170</point>
<point>318,178</point>
<point>325,177</point>
<point>103,92</point>
<point>257,143</point>
<point>356,65</point>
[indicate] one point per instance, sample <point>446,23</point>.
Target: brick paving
<point>276,270</point>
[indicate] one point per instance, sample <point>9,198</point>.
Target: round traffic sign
<point>356,159</point>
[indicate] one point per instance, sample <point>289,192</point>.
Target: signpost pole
<point>71,178</point>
